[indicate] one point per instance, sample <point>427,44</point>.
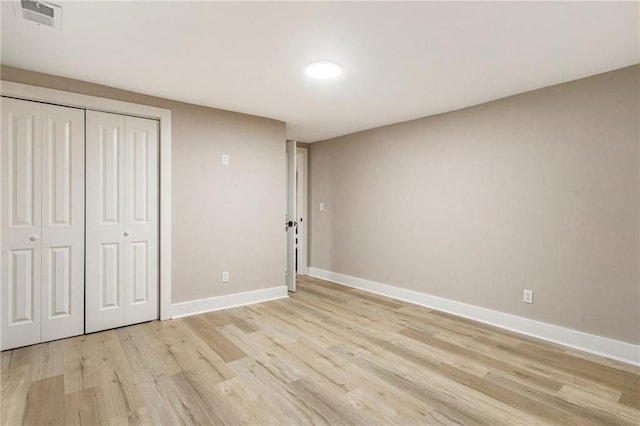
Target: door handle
<point>290,224</point>
<point>126,233</point>
<point>34,237</point>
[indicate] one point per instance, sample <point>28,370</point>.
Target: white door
<point>21,223</point>
<point>104,274</point>
<point>301,207</point>
<point>141,220</point>
<point>122,221</point>
<point>290,218</point>
<point>62,222</point>
<point>42,222</point>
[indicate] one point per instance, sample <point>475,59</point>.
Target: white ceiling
<point>401,60</point>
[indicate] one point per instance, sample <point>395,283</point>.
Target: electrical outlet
<point>225,159</point>
<point>225,276</point>
<point>527,296</point>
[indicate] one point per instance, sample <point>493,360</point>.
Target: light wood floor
<point>327,355</point>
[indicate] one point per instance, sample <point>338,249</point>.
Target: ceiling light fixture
<point>323,70</point>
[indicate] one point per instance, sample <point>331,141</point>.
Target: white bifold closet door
<point>42,222</point>
<point>122,220</point>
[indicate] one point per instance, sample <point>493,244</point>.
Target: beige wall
<point>536,191</point>
<point>224,218</point>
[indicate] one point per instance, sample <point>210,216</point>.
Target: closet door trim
<point>41,94</point>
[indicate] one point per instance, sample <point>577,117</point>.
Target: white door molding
<point>59,97</point>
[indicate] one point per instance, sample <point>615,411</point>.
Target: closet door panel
<point>21,223</point>
<point>62,222</point>
<point>105,208</point>
<point>141,219</point>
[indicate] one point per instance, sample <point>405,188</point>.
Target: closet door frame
<point>58,97</point>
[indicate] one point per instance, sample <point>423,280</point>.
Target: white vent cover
<point>40,12</point>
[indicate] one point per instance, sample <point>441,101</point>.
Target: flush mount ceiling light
<point>323,70</point>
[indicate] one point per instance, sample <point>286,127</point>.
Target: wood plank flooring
<point>327,355</point>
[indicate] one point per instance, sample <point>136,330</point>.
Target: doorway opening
<point>295,218</point>
<point>302,161</point>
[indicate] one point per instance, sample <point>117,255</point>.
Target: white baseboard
<point>218,303</point>
<point>614,349</point>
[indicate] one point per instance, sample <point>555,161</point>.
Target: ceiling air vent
<point>40,12</point>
